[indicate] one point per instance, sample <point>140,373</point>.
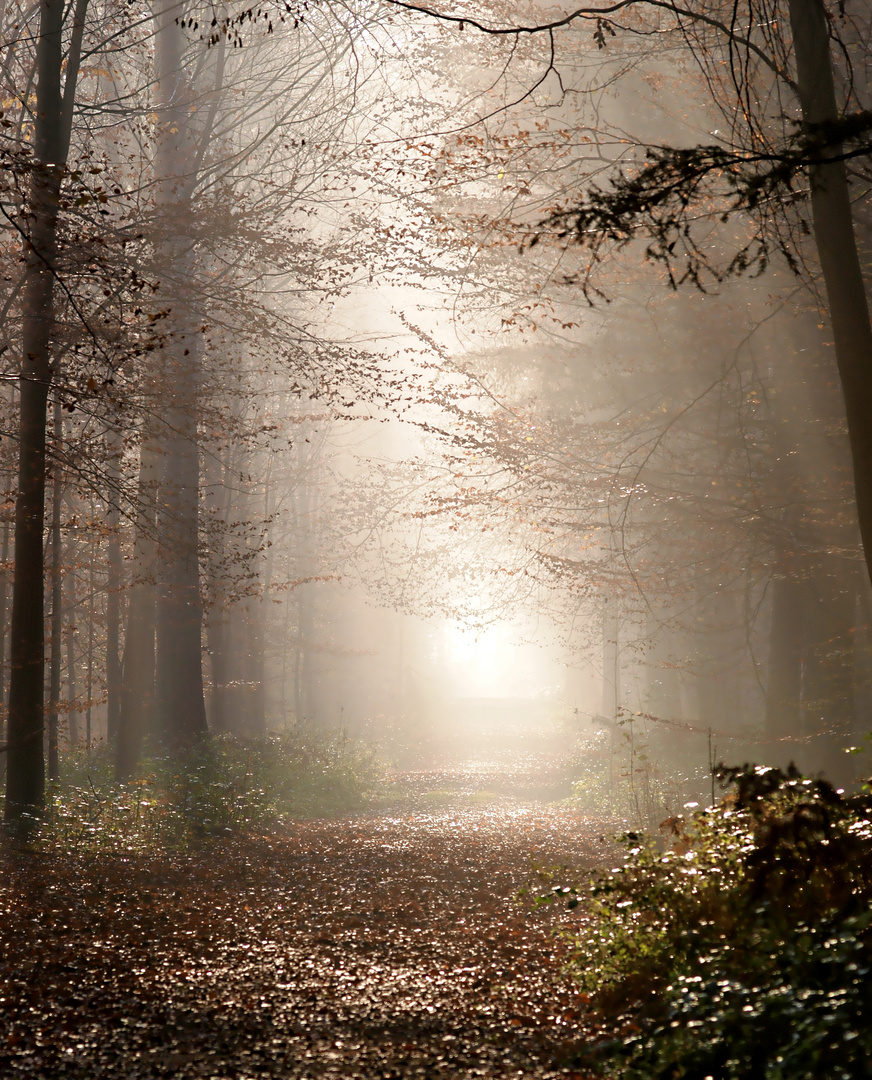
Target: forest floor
<point>390,944</point>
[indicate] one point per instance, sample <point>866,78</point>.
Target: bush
<point>226,786</point>
<point>745,951</point>
<point>623,775</point>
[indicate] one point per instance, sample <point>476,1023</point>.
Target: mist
<point>435,610</point>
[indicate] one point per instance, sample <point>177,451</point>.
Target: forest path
<point>386,945</point>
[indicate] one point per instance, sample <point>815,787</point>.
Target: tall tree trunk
<point>217,641</point>
<point>57,615</point>
<point>71,604</point>
<point>786,640</point>
<point>611,683</point>
<point>178,653</point>
<point>4,582</point>
<point>218,625</point>
<point>255,675</point>
<point>89,669</point>
<point>25,784</point>
<point>136,713</point>
<point>828,684</point>
<point>837,248</point>
<point>113,591</point>
<point>178,656</point>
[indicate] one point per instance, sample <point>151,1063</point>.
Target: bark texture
<point>837,248</point>
<point>25,785</point>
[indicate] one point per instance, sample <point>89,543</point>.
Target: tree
<point>749,175</point>
<point>51,139</point>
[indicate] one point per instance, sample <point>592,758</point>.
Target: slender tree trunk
<point>4,580</point>
<point>57,615</point>
<point>113,592</point>
<point>89,671</point>
<point>837,248</point>
<point>611,683</point>
<point>216,635</point>
<point>25,784</point>
<point>786,637</point>
<point>136,713</point>
<point>218,624</point>
<point>70,602</point>
<point>255,678</point>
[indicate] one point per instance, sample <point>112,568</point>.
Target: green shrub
<point>623,775</point>
<point>745,951</point>
<point>225,787</point>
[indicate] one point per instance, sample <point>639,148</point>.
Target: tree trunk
<point>837,249</point>
<point>136,713</point>
<point>113,592</point>
<point>178,654</point>
<point>4,576</point>
<point>828,684</point>
<point>611,695</point>
<point>255,677</point>
<point>89,668</point>
<point>25,785</point>
<point>218,624</point>
<point>57,616</point>
<point>71,605</point>
<point>784,685</point>
<point>216,635</point>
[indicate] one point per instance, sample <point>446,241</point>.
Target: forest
<point>436,539</point>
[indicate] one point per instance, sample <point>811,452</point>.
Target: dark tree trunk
<point>57,615</point>
<point>4,576</point>
<point>25,785</point>
<point>113,593</point>
<point>89,667</point>
<point>71,604</point>
<point>828,690</point>
<point>837,248</point>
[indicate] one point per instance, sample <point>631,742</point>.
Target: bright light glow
<point>486,663</point>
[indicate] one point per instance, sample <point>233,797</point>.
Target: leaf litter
<point>386,945</point>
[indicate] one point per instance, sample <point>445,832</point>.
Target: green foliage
<point>623,775</point>
<point>743,951</point>
<point>224,787</point>
<point>311,776</point>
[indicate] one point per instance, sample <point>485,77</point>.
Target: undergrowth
<point>223,788</point>
<point>624,775</point>
<point>744,950</point>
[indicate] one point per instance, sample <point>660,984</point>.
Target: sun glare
<point>487,663</point>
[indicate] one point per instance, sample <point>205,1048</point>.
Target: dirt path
<point>388,945</point>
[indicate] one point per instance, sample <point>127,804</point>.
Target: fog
<point>358,430</point>
<point>435,539</point>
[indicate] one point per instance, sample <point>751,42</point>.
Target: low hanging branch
<point>665,198</point>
